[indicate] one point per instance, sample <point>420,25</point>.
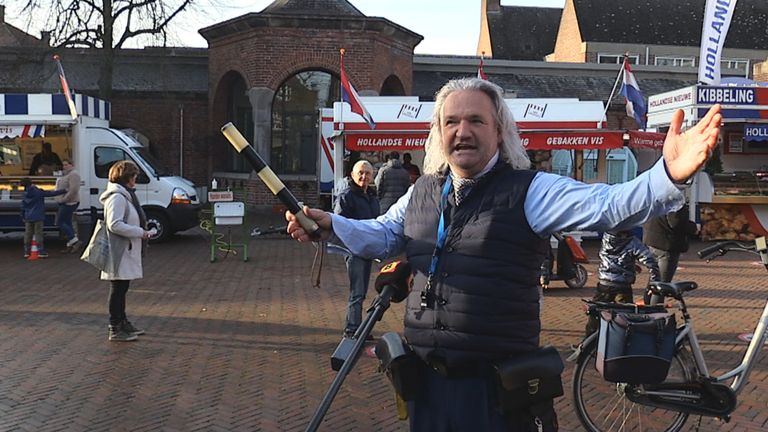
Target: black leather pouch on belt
<point>529,379</point>
<point>401,365</point>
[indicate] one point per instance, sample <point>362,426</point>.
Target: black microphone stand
<point>375,312</point>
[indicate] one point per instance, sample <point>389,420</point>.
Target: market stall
<point>731,197</point>
<point>402,124</point>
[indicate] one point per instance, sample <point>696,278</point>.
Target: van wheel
<point>158,221</point>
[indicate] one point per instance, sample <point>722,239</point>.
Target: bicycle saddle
<point>672,289</point>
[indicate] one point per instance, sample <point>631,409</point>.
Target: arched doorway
<point>392,87</point>
<point>294,120</point>
<point>232,105</point>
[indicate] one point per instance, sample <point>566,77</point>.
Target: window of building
<point>616,58</point>
<point>675,61</point>
<point>240,111</point>
<point>621,166</point>
<point>294,120</point>
<point>740,64</point>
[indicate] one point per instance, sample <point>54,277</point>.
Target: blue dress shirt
<point>553,203</point>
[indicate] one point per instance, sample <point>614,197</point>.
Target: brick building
<point>268,72</point>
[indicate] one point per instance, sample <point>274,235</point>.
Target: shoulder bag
<point>105,250</point>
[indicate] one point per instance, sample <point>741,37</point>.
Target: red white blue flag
<point>480,71</point>
<point>349,95</point>
<point>635,101</point>
<point>65,88</point>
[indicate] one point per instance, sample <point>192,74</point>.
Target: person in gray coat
<point>124,218</point>
<point>392,182</point>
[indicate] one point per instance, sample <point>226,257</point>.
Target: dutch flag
<point>65,88</point>
<point>480,72</point>
<point>634,97</point>
<point>349,95</point>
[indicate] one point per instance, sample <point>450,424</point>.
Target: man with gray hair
<point>475,228</point>
<point>357,201</point>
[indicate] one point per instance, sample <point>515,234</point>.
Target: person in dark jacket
<point>475,229</point>
<point>413,171</point>
<point>667,237</point>
<point>357,201</point>
<point>45,162</point>
<point>392,181</point>
<point>33,215</point>
<point>619,253</point>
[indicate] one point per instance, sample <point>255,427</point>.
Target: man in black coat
<point>667,237</point>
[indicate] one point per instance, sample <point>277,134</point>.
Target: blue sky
<point>448,26</point>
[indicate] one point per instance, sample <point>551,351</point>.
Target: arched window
<point>294,120</point>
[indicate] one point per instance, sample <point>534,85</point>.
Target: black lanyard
<point>442,233</point>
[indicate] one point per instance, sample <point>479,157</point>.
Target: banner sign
<point>717,20</point>
<point>726,95</point>
<point>22,131</point>
<point>572,140</point>
<point>386,142</point>
<point>540,140</point>
<point>755,132</point>
<point>651,140</point>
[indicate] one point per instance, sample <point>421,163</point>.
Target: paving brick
<point>244,346</point>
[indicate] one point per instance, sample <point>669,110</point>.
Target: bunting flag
<point>635,101</point>
<point>65,88</point>
<point>714,29</point>
<point>349,95</point>
<point>480,72</point>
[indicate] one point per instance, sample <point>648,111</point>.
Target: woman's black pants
<point>117,291</point>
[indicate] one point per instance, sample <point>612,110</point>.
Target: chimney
<point>45,38</point>
<point>493,6</point>
<point>2,13</point>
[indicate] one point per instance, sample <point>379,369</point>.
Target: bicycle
<point>689,389</point>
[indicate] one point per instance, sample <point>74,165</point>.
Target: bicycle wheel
<point>603,406</point>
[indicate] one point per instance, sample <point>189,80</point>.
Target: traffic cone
<point>34,254</point>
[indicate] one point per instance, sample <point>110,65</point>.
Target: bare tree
<point>105,25</point>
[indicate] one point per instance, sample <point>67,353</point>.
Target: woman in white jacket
<point>125,221</point>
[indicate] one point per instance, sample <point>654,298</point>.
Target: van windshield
<point>158,169</point>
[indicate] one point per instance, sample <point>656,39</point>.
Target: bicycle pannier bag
<point>635,348</point>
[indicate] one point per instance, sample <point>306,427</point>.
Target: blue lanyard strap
<point>442,233</point>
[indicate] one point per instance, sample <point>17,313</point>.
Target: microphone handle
<point>270,179</point>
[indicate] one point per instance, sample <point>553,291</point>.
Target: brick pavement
<point>235,346</point>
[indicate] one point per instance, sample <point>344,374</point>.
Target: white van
<point>29,120</point>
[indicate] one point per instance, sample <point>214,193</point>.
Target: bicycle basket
<point>635,348</point>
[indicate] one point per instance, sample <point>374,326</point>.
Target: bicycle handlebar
<point>722,248</point>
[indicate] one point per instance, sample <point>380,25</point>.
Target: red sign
<point>538,140</point>
<point>386,142</point>
<point>219,196</point>
<point>572,140</point>
<point>651,140</point>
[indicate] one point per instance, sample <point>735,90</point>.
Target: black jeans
<point>117,291</point>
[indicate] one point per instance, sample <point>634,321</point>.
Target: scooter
<point>570,256</point>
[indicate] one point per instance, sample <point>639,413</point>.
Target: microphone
<point>269,178</point>
<point>394,281</point>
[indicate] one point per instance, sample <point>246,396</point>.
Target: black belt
<point>478,369</point>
